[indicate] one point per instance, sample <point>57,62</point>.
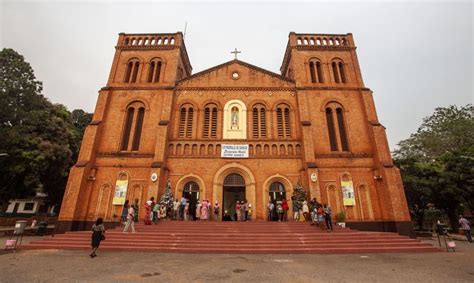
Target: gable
<point>236,73</point>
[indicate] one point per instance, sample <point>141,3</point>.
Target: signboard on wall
<point>235,151</point>
<point>120,192</point>
<point>348,197</point>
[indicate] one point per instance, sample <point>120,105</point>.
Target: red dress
<point>148,213</point>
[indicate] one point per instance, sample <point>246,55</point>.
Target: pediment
<point>236,73</point>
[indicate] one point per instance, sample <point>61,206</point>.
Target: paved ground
<point>57,265</point>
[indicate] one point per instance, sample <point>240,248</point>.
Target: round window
<point>235,75</point>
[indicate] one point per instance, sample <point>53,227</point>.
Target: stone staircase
<point>237,237</point>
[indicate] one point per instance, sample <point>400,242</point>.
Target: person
<point>123,217</point>
<point>148,206</point>
<point>163,211</point>
<point>198,210</point>
<point>226,216</point>
<point>186,210</point>
<point>305,210</point>
<point>284,205</point>
<point>313,207</point>
<point>156,212</point>
<point>270,208</point>
<point>204,210</point>
<point>279,209</point>
<point>249,215</point>
<point>296,209</point>
<point>98,236</point>
<point>182,206</point>
<point>237,211</point>
<point>465,226</point>
<point>130,220</point>
<point>320,216</point>
<point>243,204</point>
<point>33,223</point>
<point>208,210</point>
<point>176,206</point>
<point>135,208</point>
<point>216,211</point>
<point>327,217</point>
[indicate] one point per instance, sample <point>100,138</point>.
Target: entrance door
<point>191,192</point>
<point>276,192</point>
<point>234,190</point>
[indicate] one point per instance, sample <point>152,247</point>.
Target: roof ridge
<point>273,74</point>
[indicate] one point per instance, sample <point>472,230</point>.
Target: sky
<point>414,56</point>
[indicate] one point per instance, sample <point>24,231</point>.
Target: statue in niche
<point>234,117</point>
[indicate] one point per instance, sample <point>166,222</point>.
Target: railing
<point>149,40</point>
<point>213,149</point>
<point>336,40</point>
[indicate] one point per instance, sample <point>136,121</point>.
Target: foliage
<point>341,217</point>
<point>437,163</point>
<point>299,194</point>
<point>38,139</point>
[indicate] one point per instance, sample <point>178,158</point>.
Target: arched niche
<point>235,120</point>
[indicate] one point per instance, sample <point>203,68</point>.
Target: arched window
<point>276,191</point>
<point>283,121</point>
<point>133,120</point>
<point>154,70</point>
<point>316,71</point>
<point>337,138</point>
<point>234,180</point>
<point>186,117</point>
<point>259,121</point>
<point>210,121</point>
<point>131,73</point>
<point>339,71</point>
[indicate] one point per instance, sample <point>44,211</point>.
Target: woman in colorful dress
<point>204,210</point>
<point>198,210</point>
<point>243,204</point>
<point>148,211</point>
<point>279,209</point>
<point>237,211</point>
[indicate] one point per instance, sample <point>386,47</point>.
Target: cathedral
<point>236,131</point>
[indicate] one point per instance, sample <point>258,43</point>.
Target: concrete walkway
<point>59,265</point>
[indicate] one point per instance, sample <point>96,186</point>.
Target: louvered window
<point>312,72</point>
<point>182,122</point>
<point>259,122</point>
<point>138,129</point>
<point>210,122</point>
<point>127,129</point>
<point>189,125</point>
<point>342,129</point>
<point>283,121</point>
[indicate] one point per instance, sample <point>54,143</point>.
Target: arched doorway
<point>276,192</point>
<point>234,190</point>
<point>191,192</point>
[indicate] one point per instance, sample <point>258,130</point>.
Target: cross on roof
<point>235,52</point>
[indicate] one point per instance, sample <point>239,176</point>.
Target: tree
<point>443,147</point>
<point>299,194</point>
<point>39,138</point>
<point>420,180</point>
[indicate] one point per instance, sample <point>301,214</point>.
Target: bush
<point>341,217</point>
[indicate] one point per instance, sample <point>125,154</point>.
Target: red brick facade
<point>315,123</point>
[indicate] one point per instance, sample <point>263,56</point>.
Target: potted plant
<point>341,219</point>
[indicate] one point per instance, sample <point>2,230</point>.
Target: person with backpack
<point>123,217</point>
<point>320,216</point>
<point>156,212</point>
<point>327,217</point>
